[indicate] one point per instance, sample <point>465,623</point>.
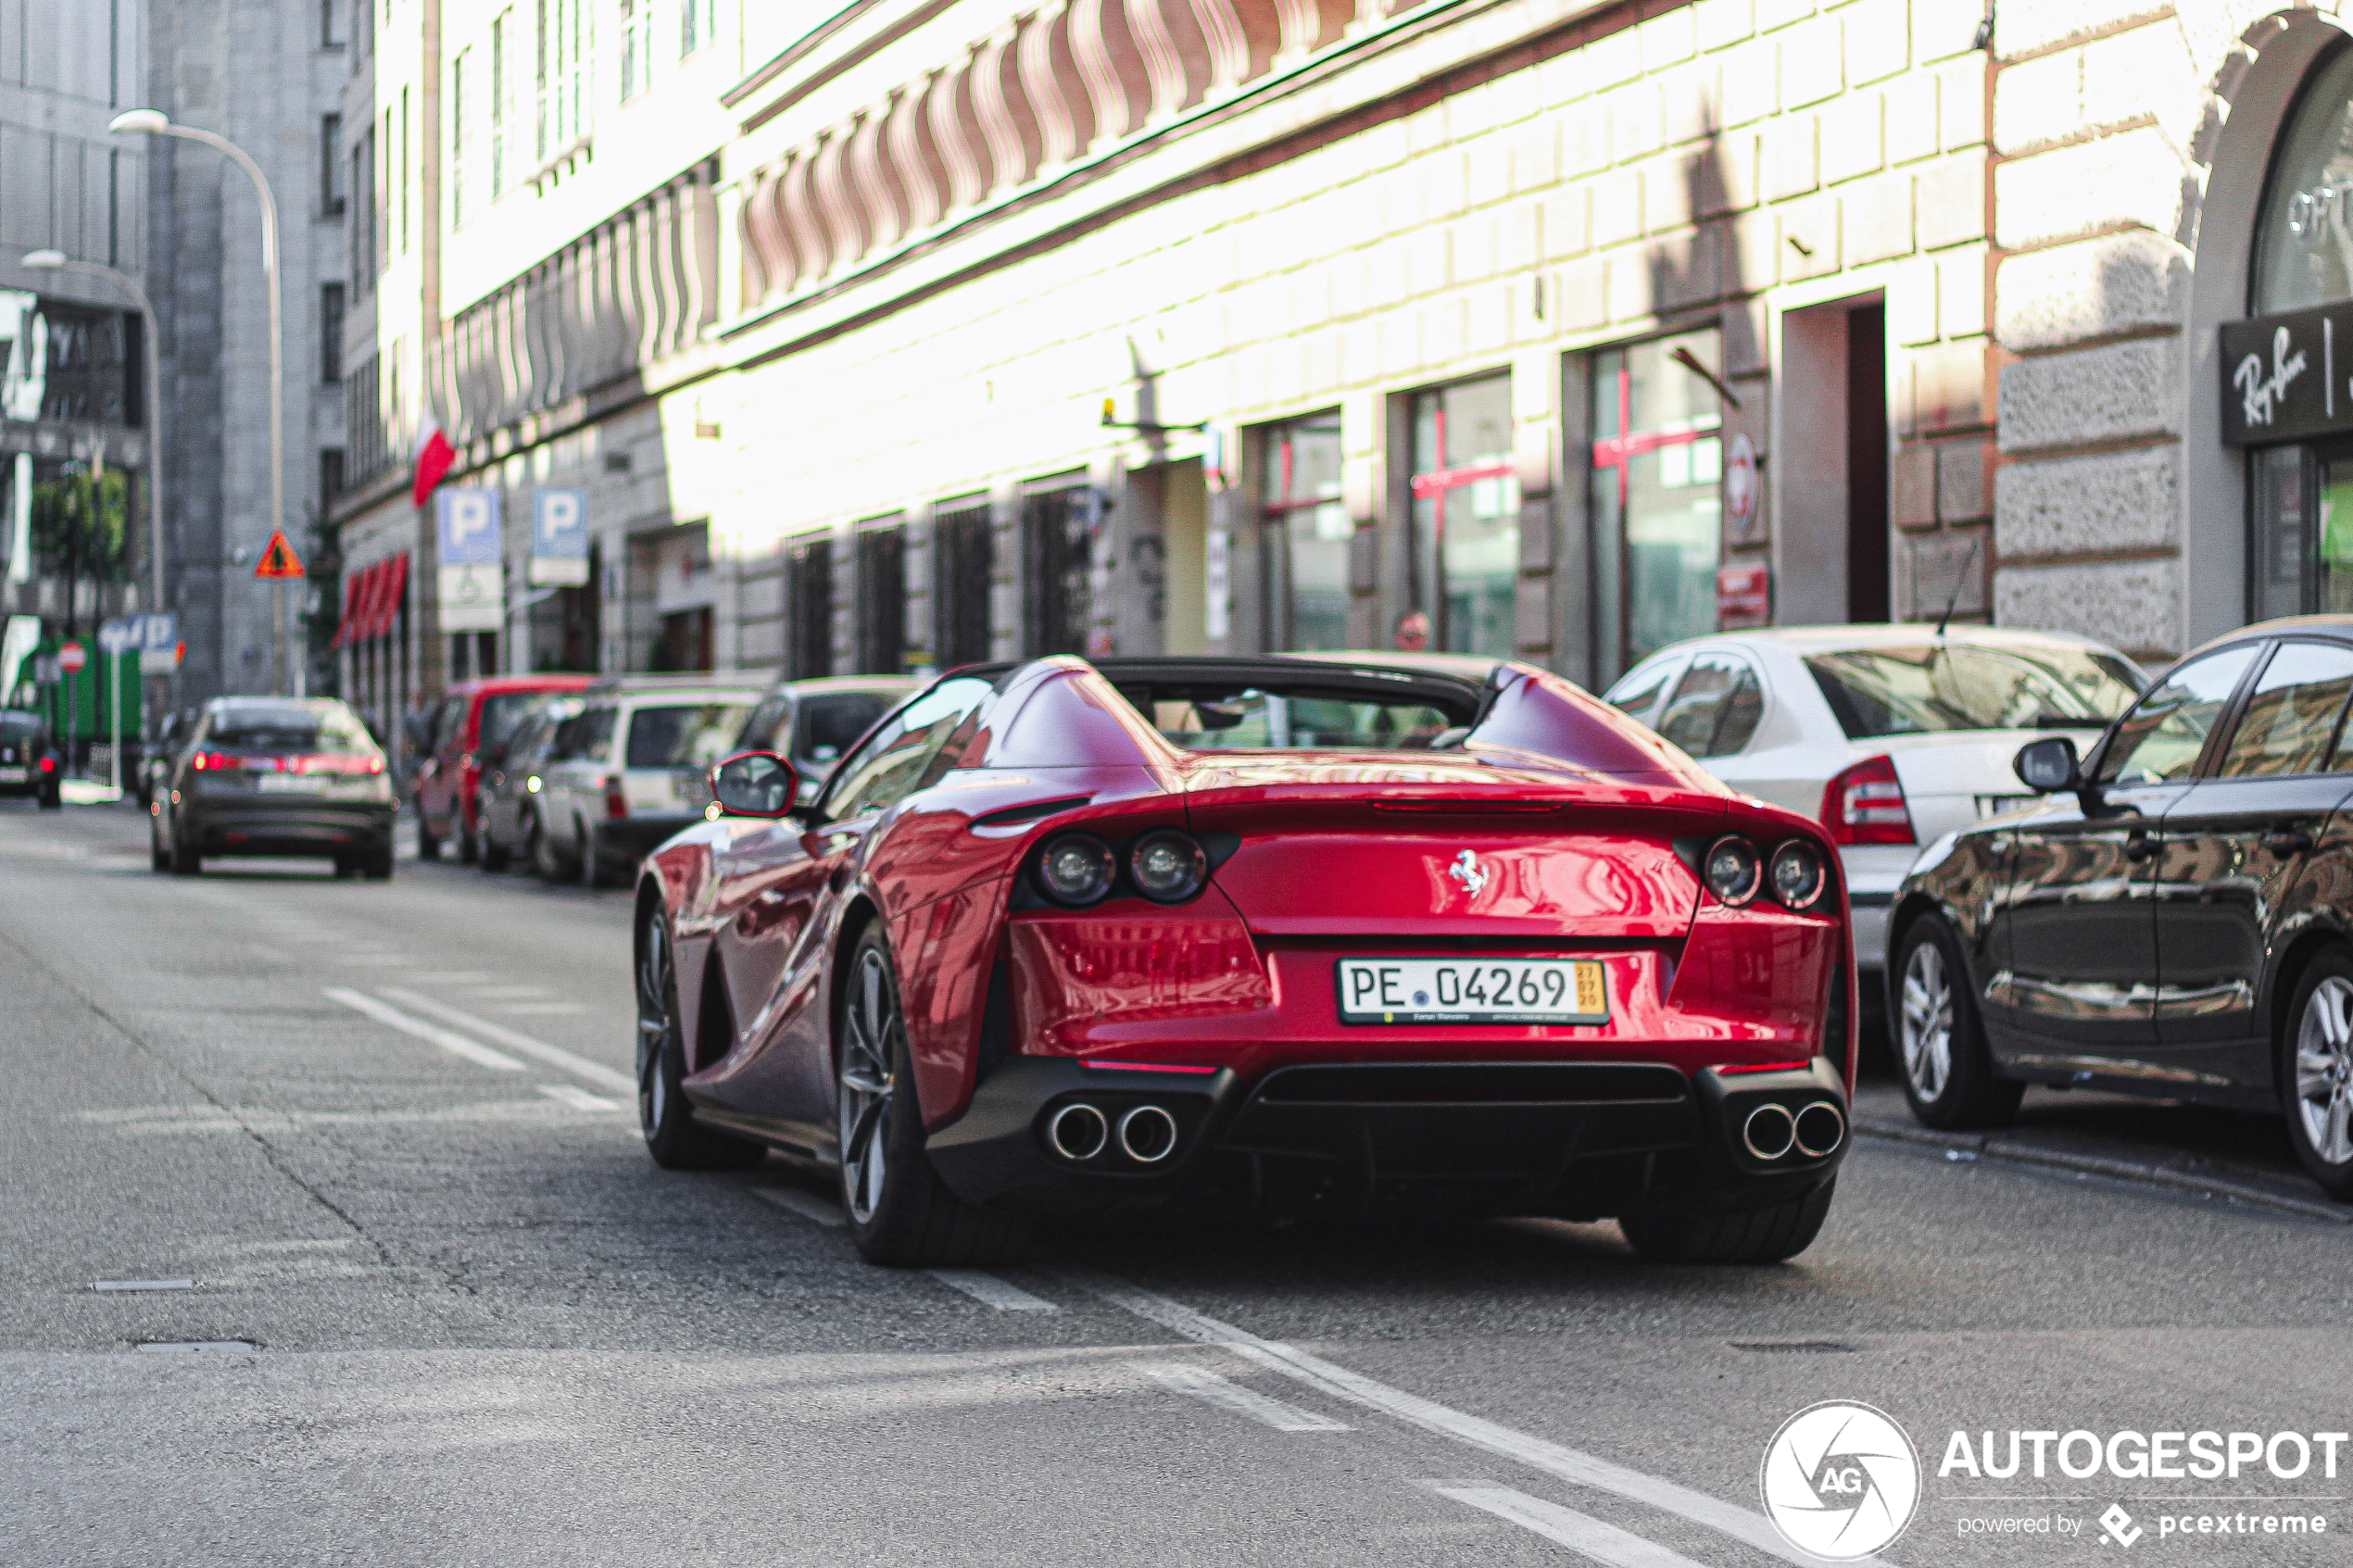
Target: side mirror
<point>756,783</point>
<point>2047,766</point>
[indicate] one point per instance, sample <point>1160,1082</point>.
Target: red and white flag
<point>433,456</point>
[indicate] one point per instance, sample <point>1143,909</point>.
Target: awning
<point>354,594</point>
<point>371,601</point>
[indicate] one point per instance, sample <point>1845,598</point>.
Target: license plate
<point>289,783</point>
<point>1473,991</point>
<point>14,775</point>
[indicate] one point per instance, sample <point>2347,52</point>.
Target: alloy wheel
<point>655,971</point>
<point>2324,1069</point>
<point>1927,1024</point>
<point>869,1024</point>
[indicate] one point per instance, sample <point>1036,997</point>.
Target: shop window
<point>1465,547</point>
<point>963,565</point>
<point>809,609</point>
<point>882,599</point>
<point>1657,461</point>
<point>1059,527</point>
<point>1308,532</point>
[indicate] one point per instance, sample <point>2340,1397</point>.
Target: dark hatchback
<point>2173,919</point>
<point>278,776</point>
<point>30,763</point>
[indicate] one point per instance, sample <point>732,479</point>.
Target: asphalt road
<point>488,1330</point>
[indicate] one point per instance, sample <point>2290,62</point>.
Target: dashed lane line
<point>571,1062</point>
<point>1538,1453</point>
<point>991,1291</point>
<point>579,1099</point>
<point>449,1040</point>
<point>1201,1384</point>
<point>1582,1533</point>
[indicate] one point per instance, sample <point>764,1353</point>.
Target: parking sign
<point>559,538</point>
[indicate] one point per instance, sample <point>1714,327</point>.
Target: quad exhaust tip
<point>1079,1131</point>
<point>1769,1132</point>
<point>1148,1134</point>
<point>1820,1129</point>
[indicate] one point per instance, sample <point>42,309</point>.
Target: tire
<point>901,1214</point>
<point>1939,1040</point>
<point>664,1116</point>
<point>494,857</point>
<point>540,846</point>
<point>157,853</point>
<point>465,833</point>
<point>428,846</point>
<point>591,865</point>
<point>376,866</point>
<point>347,868</point>
<point>53,799</point>
<point>2315,1072</point>
<point>1741,1236</point>
<point>185,862</point>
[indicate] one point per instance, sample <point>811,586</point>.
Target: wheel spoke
<point>2334,1143</point>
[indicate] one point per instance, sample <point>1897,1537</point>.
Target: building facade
<point>921,334</point>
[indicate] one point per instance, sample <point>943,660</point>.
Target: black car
<point>281,776</point>
<point>30,761</point>
<point>506,800</point>
<point>2174,918</point>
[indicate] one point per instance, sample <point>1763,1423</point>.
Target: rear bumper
<point>311,828</point>
<point>1579,1140</point>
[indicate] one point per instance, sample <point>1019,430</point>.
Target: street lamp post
<point>155,123</point>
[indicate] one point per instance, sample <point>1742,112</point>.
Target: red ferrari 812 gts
<point>1276,937</point>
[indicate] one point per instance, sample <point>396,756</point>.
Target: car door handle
<point>2284,842</point>
<point>2137,847</point>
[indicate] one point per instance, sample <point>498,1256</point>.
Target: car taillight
<point>213,761</point>
<point>1865,805</point>
<point>353,762</point>
<point>616,803</point>
<point>48,764</point>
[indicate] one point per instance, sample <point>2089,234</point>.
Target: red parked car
<point>472,727</point>
<point>1273,935</point>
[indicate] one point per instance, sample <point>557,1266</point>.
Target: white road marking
<point>807,1205</point>
<point>1581,1533</point>
<point>987,1288</point>
<point>1537,1453</point>
<point>456,1045</point>
<point>172,1120</point>
<point>143,1285</point>
<point>1210,1389</point>
<point>579,1099</point>
<point>571,1062</point>
<point>184,1347</point>
<point>535,1009</point>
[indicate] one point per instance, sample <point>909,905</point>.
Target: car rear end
<point>29,764</point>
<point>667,741</point>
<point>285,777</point>
<point>1469,983</point>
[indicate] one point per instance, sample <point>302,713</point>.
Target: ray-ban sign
<point>2287,377</point>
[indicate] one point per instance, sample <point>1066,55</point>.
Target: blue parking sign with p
<point>559,537</point>
<point>469,520</point>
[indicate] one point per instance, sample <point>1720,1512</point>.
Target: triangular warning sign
<point>278,558</point>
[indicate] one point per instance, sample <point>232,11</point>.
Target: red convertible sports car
<point>1273,935</point>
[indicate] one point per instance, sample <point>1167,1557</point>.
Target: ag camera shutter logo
<point>1840,1480</point>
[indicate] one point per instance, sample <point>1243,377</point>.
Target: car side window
<point>2291,716</point>
<point>2160,736</point>
<point>890,764</point>
<point>760,731</point>
<point>1638,691</point>
<point>1714,706</point>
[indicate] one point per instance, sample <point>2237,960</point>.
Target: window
<point>808,608</point>
<point>831,722</point>
<point>1058,557</point>
<point>1465,551</point>
<point>330,25</point>
<point>697,25</point>
<point>330,334</point>
<point>697,736</point>
<point>888,766</point>
<point>636,47</point>
<point>502,31</point>
<point>963,560</point>
<point>1639,689</point>
<point>1309,532</point>
<point>1657,461</point>
<point>397,161</point>
<point>2160,740</point>
<point>365,234</point>
<point>2292,717</point>
<point>1715,707</point>
<point>458,73</point>
<point>1940,685</point>
<point>566,29</point>
<point>882,599</point>
<point>330,191</point>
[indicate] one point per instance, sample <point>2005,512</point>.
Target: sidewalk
<point>2237,1155</point>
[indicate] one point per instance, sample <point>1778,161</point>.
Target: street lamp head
<point>135,121</point>
<point>44,260</point>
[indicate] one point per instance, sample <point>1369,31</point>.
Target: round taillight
<point>1796,875</point>
<point>1731,870</point>
<point>1076,868</point>
<point>1168,867</point>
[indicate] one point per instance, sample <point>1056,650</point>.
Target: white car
<point>1891,736</point>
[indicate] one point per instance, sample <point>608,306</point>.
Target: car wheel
<point>53,798</point>
<point>900,1212</point>
<point>428,846</point>
<point>464,834</point>
<point>377,864</point>
<point>2316,1072</point>
<point>1940,1042</point>
<point>539,844</point>
<point>494,857</point>
<point>663,1114</point>
<point>185,862</point>
<point>157,853</point>
<point>1745,1236</point>
<point>589,864</point>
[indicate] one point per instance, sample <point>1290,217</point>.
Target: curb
<point>2172,1177</point>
